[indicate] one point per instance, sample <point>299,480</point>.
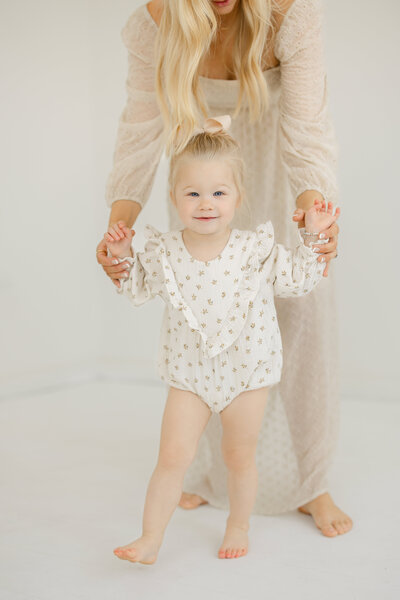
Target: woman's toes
<point>329,530</point>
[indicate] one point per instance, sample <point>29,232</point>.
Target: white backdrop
<point>63,69</point>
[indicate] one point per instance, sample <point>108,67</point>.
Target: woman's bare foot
<point>236,542</point>
<point>327,516</point>
<point>191,501</point>
<point>143,550</point>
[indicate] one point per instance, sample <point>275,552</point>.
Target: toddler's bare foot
<point>327,516</point>
<point>143,550</point>
<point>236,542</point>
<point>191,501</point>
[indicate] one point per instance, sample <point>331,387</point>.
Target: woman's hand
<point>111,266</point>
<point>331,233</point>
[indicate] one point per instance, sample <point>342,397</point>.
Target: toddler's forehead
<point>197,168</point>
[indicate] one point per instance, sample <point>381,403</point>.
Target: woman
<point>262,61</point>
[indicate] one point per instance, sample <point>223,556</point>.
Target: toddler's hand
<point>318,218</point>
<point>118,240</point>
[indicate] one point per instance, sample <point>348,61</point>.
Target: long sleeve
<point>291,272</point>
<point>136,287</point>
<point>306,133</point>
<point>139,142</point>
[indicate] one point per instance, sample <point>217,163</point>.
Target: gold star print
<point>235,280</point>
<point>201,273</point>
<point>198,286</point>
<point>180,323</point>
<point>190,364</point>
<point>237,304</point>
<point>208,377</point>
<point>148,260</point>
<point>234,369</point>
<point>268,370</point>
<point>176,367</point>
<point>194,296</point>
<point>236,294</point>
<point>203,325</point>
<point>237,236</point>
<point>248,350</point>
<point>232,389</point>
<point>196,380</point>
<point>187,277</point>
<point>227,272</point>
<point>273,352</point>
<point>259,362</point>
<point>259,340</point>
<point>180,355</point>
<point>262,328</point>
<point>270,235</point>
<point>222,345</point>
<point>214,281</point>
<point>247,338</point>
<point>261,380</point>
<point>218,388</point>
<point>167,281</point>
<point>219,321</point>
<point>154,274</point>
<point>197,345</point>
<point>236,348</point>
<point>231,257</point>
<point>181,285</point>
<point>233,318</point>
<point>252,325</point>
<point>210,301</point>
<point>230,331</point>
<point>223,364</point>
<point>200,363</point>
<point>204,311</point>
<point>223,294</point>
<point>242,383</point>
<point>250,303</point>
<point>243,366</point>
<point>283,273</point>
<point>185,346</point>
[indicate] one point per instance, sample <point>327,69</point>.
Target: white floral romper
<point>220,334</point>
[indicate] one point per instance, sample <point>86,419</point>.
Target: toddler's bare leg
<point>241,423</point>
<point>184,420</point>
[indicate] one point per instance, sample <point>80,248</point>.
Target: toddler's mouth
<point>205,218</point>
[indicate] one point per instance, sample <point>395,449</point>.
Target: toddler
<point>220,347</point>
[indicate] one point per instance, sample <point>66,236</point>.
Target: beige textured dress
<point>290,150</point>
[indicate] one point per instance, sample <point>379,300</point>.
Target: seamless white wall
<point>64,68</point>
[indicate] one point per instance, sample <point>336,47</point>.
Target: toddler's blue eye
<point>222,193</point>
<point>190,193</point>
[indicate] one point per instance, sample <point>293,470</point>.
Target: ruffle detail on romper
<point>265,239</point>
<point>235,319</point>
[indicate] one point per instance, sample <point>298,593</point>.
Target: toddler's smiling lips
<point>205,218</point>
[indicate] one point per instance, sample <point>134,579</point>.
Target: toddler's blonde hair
<point>210,146</point>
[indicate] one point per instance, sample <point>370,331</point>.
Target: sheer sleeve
<point>139,142</point>
<point>307,137</point>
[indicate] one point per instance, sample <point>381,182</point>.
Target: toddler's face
<point>205,194</point>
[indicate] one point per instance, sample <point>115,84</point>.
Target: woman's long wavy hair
<point>186,32</point>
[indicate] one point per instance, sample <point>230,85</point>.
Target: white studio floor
<point>75,466</point>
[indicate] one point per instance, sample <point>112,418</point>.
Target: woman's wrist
<point>124,210</point>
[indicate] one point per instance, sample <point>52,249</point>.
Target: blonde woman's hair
<point>184,37</point>
<point>212,146</point>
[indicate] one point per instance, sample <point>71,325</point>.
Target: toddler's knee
<point>175,458</point>
<point>239,458</point>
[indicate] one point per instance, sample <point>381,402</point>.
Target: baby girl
<point>220,347</point>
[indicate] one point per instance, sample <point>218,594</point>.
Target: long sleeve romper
<point>220,334</point>
<point>290,150</point>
